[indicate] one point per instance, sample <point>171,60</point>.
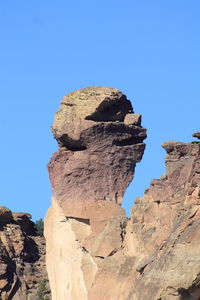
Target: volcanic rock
<point>5,215</point>
<point>196,134</point>
<point>89,175</point>
<point>22,257</point>
<point>93,250</point>
<point>165,228</point>
<point>98,151</point>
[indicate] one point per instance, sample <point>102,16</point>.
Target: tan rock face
<point>165,228</point>
<point>80,109</point>
<point>93,250</point>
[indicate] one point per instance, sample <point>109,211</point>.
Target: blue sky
<point>147,49</point>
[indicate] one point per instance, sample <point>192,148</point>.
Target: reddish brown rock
<point>93,250</point>
<point>98,151</point>
<point>165,228</point>
<point>89,175</point>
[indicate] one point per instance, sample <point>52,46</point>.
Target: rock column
<point>100,141</point>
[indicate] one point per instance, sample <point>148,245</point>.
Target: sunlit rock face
<point>165,229</point>
<point>100,141</point>
<point>98,150</point>
<point>93,250</point>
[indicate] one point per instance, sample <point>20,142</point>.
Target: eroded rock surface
<point>98,150</point>
<point>100,140</point>
<point>197,134</point>
<point>22,257</point>
<point>165,229</point>
<point>93,250</point>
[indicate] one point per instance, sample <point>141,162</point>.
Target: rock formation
<point>165,229</point>
<point>197,134</point>
<point>93,250</point>
<point>101,140</point>
<point>22,257</point>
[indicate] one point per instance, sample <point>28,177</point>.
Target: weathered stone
<point>196,134</point>
<point>22,257</point>
<point>5,215</point>
<point>89,175</point>
<point>93,250</point>
<point>133,119</point>
<point>166,226</point>
<point>98,155</point>
<point>24,220</point>
<point>80,109</point>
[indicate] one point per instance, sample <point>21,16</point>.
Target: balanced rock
<point>98,151</point>
<point>80,109</point>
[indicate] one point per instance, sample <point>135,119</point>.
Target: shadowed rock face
<point>22,257</point>
<point>100,140</point>
<point>197,134</point>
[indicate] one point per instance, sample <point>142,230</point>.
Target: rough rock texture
<point>165,229</point>
<point>22,257</point>
<point>197,134</point>
<point>100,140</point>
<point>93,250</point>
<point>98,151</point>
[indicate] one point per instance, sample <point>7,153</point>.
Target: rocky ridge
<point>93,250</point>
<point>165,228</point>
<point>22,257</point>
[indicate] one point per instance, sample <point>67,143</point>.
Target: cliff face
<point>93,250</point>
<point>22,258</point>
<point>165,229</point>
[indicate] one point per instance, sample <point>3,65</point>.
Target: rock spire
<point>93,250</point>
<point>100,141</point>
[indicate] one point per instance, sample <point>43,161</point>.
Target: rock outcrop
<point>196,134</point>
<point>22,258</point>
<point>93,250</point>
<point>165,229</point>
<point>101,140</point>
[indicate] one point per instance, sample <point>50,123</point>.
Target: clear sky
<point>149,49</point>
